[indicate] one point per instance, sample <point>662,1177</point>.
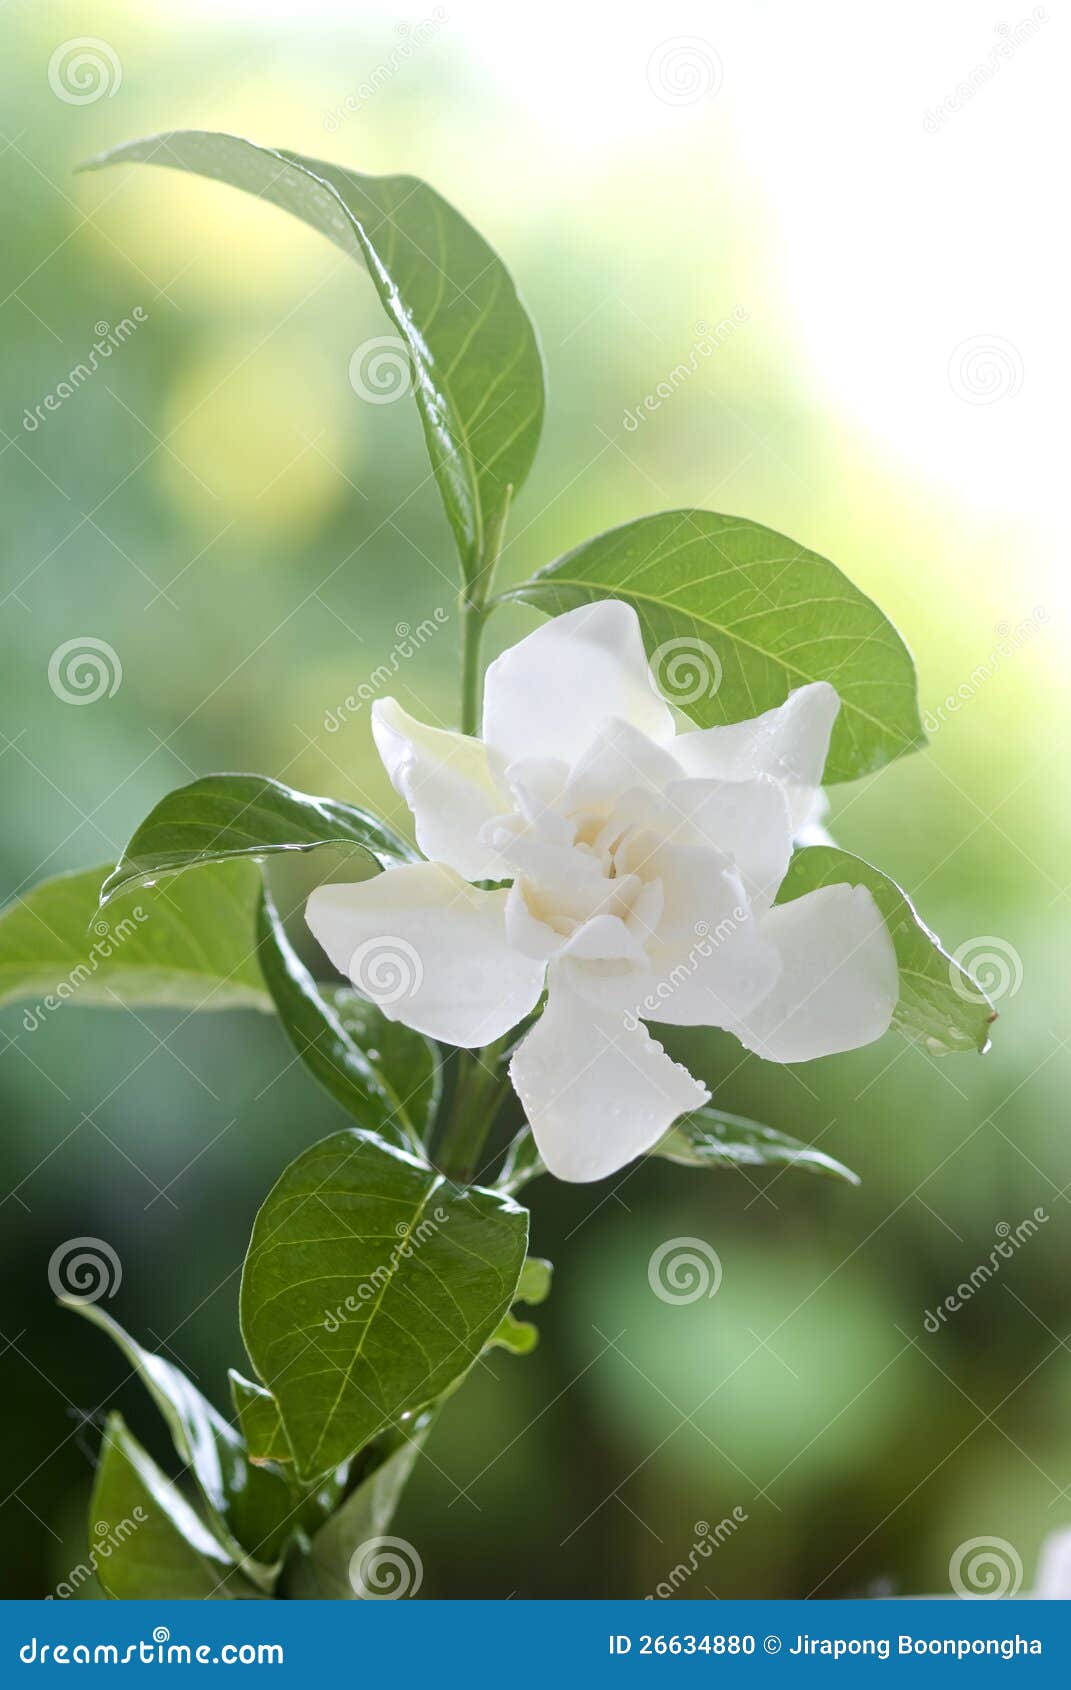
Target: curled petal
<point>839,980</point>
<point>749,820</point>
<point>550,695</point>
<point>708,960</point>
<point>620,759</point>
<point>450,783</point>
<point>790,743</point>
<point>429,950</point>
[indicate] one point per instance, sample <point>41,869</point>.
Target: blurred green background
<point>248,535</point>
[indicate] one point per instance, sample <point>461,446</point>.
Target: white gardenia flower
<point>642,863</point>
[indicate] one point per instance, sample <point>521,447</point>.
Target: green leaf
<point>258,1417</point>
<point>477,372</point>
<point>709,1138</point>
<point>520,1337</point>
<point>940,1005</point>
<point>266,1445</point>
<point>223,816</point>
<point>323,1569</point>
<point>370,1287</point>
<point>186,946</point>
<point>407,1061</point>
<point>742,616</point>
<point>323,1042</point>
<point>152,1545</point>
<point>249,1507</point>
<point>534,1284</point>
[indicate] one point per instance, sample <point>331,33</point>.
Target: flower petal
<point>549,695</point>
<point>839,979</point>
<point>429,950</point>
<point>597,1093</point>
<point>708,959</point>
<point>747,819</point>
<point>620,759</point>
<point>448,781</point>
<point>790,743</point>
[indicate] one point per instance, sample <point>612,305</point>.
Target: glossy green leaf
<point>710,1138</point>
<point>736,616</point>
<point>223,816</point>
<point>322,1040</point>
<point>520,1337</point>
<point>266,1445</point>
<point>534,1284</point>
<point>476,368</point>
<point>408,1062</point>
<point>145,1541</point>
<point>323,1569</point>
<point>248,1506</point>
<point>370,1287</point>
<point>190,945</point>
<point>258,1417</point>
<point>940,1005</point>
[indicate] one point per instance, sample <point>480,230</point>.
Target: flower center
<point>581,876</point>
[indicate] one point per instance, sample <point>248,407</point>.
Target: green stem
<point>474,1107</point>
<point>474,609</point>
<point>472,620</point>
<point>476,1099</point>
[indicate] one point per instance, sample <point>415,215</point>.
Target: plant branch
<point>474,610</point>
<point>475,1105</point>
